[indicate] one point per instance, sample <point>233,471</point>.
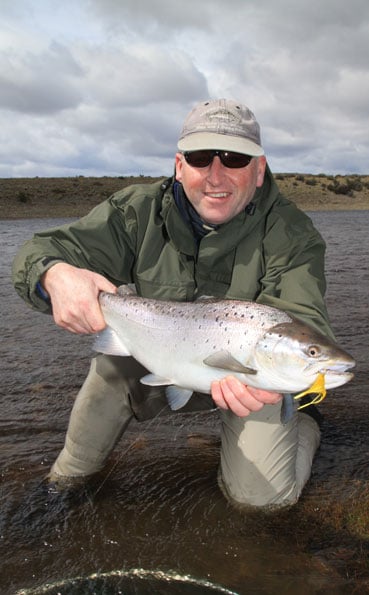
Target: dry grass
<point>74,197</point>
<point>321,192</point>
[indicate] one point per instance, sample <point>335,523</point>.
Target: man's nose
<point>216,170</point>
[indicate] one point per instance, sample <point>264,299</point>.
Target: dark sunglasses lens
<point>228,158</point>
<point>234,159</point>
<point>199,158</point>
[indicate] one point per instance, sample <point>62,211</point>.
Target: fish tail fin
<point>126,290</point>
<point>109,343</point>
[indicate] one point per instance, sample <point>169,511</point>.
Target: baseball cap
<point>221,124</point>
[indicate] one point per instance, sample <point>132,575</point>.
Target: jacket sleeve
<point>102,241</point>
<point>294,277</point>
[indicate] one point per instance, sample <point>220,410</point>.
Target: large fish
<point>187,345</point>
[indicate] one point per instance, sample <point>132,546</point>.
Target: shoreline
<point>40,198</point>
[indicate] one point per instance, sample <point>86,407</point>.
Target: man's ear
<point>178,166</point>
<point>261,170</point>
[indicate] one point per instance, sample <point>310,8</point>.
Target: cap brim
<point>200,141</point>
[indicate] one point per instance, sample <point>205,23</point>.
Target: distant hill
<point>73,197</point>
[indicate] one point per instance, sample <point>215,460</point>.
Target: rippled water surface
<point>156,507</point>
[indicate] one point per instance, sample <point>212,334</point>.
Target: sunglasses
<point>227,158</point>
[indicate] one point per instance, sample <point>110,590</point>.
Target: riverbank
<point>22,198</point>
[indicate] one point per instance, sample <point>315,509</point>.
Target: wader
<point>271,471</point>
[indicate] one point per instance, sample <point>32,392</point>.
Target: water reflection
<point>157,506</point>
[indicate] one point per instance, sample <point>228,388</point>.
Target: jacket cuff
<point>37,294</point>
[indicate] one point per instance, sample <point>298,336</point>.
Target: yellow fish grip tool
<point>317,388</point>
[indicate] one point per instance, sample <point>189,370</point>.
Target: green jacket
<point>274,256</point>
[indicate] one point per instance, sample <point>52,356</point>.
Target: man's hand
<point>230,393</point>
<point>74,296</point>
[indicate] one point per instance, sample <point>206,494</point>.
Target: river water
<point>156,508</point>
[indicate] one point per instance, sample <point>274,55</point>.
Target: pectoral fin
<point>226,361</point>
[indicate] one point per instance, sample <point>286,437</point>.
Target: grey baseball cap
<point>221,124</point>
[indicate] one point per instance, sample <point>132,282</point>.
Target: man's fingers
<point>74,295</point>
<point>87,320</point>
<point>217,395</point>
<point>230,393</point>
<point>265,396</point>
<point>104,284</point>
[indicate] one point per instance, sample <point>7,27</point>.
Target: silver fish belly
<point>187,345</point>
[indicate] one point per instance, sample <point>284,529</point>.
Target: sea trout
<point>187,345</point>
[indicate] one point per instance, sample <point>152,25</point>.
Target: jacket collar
<point>186,228</point>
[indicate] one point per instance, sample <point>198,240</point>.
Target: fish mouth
<point>332,369</point>
<point>335,374</point>
<point>338,368</point>
<point>335,377</point>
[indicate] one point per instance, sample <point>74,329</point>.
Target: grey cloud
<point>143,131</point>
<point>42,82</point>
<point>155,16</point>
<point>285,19</point>
<point>142,74</point>
<point>108,92</point>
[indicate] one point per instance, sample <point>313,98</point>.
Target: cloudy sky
<point>101,87</point>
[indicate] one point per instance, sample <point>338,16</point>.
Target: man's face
<point>219,193</point>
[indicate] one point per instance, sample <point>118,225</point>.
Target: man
<point>220,227</point>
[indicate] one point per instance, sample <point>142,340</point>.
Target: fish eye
<point>314,351</point>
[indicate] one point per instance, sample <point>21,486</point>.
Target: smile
<point>217,194</point>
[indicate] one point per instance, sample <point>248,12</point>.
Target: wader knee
<point>264,463</point>
<point>100,414</point>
